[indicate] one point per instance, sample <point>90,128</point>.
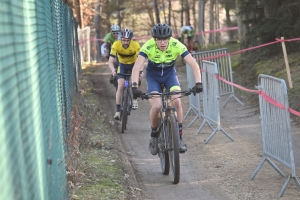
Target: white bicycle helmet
<point>115,28</point>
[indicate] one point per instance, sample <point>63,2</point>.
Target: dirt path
<point>218,170</point>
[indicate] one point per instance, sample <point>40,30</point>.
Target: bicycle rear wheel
<point>124,109</point>
<point>163,154</point>
<point>173,147</point>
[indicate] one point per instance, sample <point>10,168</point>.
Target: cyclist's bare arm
<point>194,65</point>
<point>138,66</point>
<point>111,61</point>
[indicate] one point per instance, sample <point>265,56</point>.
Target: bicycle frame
<point>126,100</point>
<point>169,133</point>
<point>166,109</point>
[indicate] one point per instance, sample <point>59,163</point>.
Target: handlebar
<point>161,94</point>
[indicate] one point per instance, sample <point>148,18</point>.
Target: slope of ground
<point>119,166</point>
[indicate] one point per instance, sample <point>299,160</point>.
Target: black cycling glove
<point>136,92</point>
<point>197,88</point>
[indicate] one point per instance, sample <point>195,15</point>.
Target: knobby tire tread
<point>164,156</point>
<point>124,111</point>
<point>174,144</point>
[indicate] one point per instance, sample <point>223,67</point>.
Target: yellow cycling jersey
<point>128,55</point>
<point>157,59</point>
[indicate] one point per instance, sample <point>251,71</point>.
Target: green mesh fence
<point>39,69</point>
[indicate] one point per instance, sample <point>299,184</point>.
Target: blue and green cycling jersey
<point>159,61</point>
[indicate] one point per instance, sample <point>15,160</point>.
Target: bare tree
<point>217,23</point>
<point>78,12</point>
<point>239,18</point>
<point>181,13</point>
<point>169,16</point>
<point>164,11</point>
<point>201,4</point>
<point>156,11</point>
<point>187,13</point>
<point>194,14</point>
<point>211,21</point>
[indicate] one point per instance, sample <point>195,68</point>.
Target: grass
<point>246,69</point>
<point>99,174</point>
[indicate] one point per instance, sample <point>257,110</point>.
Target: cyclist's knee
<point>155,108</point>
<point>176,102</point>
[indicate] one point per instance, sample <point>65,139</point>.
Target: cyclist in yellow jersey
<point>127,51</point>
<point>161,51</point>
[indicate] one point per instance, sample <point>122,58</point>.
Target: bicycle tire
<point>124,109</point>
<point>173,147</point>
<point>163,154</point>
<point>129,106</point>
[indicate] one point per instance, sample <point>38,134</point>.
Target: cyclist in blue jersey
<point>161,51</point>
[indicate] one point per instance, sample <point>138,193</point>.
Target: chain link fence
<point>40,65</point>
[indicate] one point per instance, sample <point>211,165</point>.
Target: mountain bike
<point>126,100</point>
<point>194,46</point>
<point>168,139</point>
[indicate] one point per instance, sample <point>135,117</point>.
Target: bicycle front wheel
<point>163,153</point>
<point>124,109</point>
<point>173,147</point>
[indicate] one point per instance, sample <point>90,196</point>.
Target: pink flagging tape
<point>197,33</point>
<point>250,48</point>
<point>264,95</point>
<point>217,30</point>
<point>294,112</point>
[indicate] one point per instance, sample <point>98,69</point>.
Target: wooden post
<point>286,63</point>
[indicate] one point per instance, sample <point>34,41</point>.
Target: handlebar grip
<point>145,96</point>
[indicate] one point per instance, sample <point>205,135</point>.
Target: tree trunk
<point>211,21</point>
<point>156,12</point>
<point>175,26</point>
<point>217,24</point>
<point>150,13</point>
<point>78,12</point>
<point>239,19</point>
<point>194,14</point>
<point>119,17</point>
<point>164,11</point>
<point>169,16</point>
<point>271,7</point>
<point>201,4</point>
<point>187,13</point>
<point>228,21</point>
<point>181,13</point>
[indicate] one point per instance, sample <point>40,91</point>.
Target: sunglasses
<point>115,33</point>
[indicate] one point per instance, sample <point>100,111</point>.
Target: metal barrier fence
<point>211,109</point>
<point>224,68</point>
<point>40,65</point>
<point>84,36</point>
<point>194,101</point>
<point>276,129</point>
